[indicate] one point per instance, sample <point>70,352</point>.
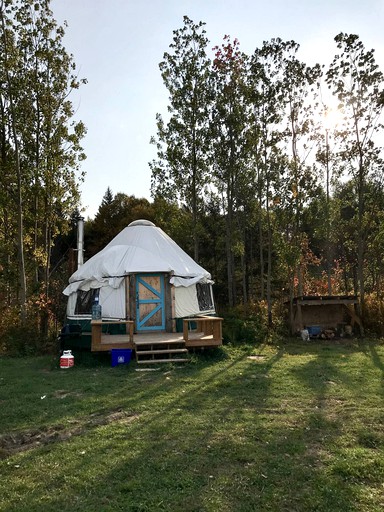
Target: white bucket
<point>67,360</point>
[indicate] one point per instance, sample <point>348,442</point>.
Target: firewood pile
<point>327,334</point>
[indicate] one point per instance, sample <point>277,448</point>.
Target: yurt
<point>144,276</point>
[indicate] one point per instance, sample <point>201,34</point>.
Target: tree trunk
<point>291,297</point>
<point>230,271</point>
<point>261,258</point>
<point>360,242</point>
<point>269,266</point>
<point>194,202</point>
<point>261,245</point>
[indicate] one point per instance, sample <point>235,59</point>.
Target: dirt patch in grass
<point>62,393</point>
<point>23,441</point>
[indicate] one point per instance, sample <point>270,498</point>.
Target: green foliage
<point>29,339</point>
<point>236,181</point>
<point>249,324</point>
<point>40,147</point>
<point>268,156</point>
<point>115,213</point>
<point>237,330</point>
<point>374,314</point>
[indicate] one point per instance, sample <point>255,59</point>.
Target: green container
<point>180,324</point>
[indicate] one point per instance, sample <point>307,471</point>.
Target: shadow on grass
<point>377,360</point>
<point>243,435</point>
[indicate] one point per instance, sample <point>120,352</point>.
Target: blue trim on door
<point>159,301</point>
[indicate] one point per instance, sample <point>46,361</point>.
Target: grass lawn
<point>299,427</point>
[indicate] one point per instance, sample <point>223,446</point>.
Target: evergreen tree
<point>114,214</point>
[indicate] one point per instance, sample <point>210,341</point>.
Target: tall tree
<point>229,133</point>
<point>266,135</point>
<point>41,141</point>
<point>182,141</point>
<point>300,83</point>
<point>355,78</point>
<point>10,118</point>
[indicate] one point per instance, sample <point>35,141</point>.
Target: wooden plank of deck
<point>111,341</point>
<point>159,337</point>
<point>208,332</point>
<point>162,361</point>
<point>160,343</point>
<point>202,341</point>
<point>103,342</point>
<point>169,351</point>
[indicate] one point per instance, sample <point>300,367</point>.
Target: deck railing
<point>101,341</point>
<point>207,331</point>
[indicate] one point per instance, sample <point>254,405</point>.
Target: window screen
<point>204,297</point>
<point>85,300</point>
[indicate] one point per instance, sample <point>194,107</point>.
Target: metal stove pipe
<point>80,241</point>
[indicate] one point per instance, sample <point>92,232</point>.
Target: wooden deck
<point>206,333</point>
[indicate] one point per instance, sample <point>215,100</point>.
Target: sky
<point>117,46</point>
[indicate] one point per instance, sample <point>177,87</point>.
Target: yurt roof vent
<point>141,222</point>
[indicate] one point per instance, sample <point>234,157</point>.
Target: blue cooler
<point>121,356</point>
<point>314,330</point>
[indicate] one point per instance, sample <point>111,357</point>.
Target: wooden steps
<point>161,361</point>
<point>171,351</point>
<point>160,352</point>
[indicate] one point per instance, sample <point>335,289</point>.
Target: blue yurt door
<point>150,303</point>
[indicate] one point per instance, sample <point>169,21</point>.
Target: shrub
<point>248,323</point>
<point>373,317</point>
<point>237,330</point>
<point>19,340</point>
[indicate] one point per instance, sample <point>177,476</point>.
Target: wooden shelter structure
<point>328,312</point>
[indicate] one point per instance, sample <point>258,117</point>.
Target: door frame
<point>159,301</point>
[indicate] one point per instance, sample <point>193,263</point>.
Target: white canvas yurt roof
<point>140,247</point>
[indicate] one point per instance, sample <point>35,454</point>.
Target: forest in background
<point>268,172</point>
